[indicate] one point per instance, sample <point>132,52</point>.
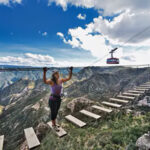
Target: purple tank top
<point>56,90</point>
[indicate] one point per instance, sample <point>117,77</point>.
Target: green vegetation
<point>113,133</point>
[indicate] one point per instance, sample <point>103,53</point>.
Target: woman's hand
<point>69,77</point>
<point>44,77</point>
<point>71,68</point>
<point>45,69</point>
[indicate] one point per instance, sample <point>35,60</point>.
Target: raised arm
<point>69,76</point>
<point>44,77</point>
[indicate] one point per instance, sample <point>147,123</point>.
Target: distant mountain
<point>14,66</point>
<point>9,77</point>
<point>98,83</point>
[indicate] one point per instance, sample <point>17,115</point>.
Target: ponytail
<point>54,78</point>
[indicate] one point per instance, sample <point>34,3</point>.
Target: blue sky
<point>22,26</point>
<point>51,28</point>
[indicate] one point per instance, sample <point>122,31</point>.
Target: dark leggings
<point>54,106</point>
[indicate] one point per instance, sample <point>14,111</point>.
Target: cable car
<point>112,60</point>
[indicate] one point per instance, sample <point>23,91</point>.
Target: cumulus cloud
<point>132,18</point>
<point>37,60</point>
<point>124,29</point>
<point>29,59</point>
<point>8,2</point>
<point>81,17</point>
<point>125,26</point>
<point>81,38</point>
<point>109,6</point>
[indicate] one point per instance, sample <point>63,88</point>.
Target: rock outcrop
<point>41,130</point>
<point>143,143</point>
<point>145,101</point>
<point>79,103</point>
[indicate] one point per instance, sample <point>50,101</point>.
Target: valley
<point>26,105</point>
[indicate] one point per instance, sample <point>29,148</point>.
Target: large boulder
<point>41,130</point>
<point>78,104</point>
<point>143,143</point>
<point>144,102</point>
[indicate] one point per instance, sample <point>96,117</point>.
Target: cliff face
<point>98,84</point>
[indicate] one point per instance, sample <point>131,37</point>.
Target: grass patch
<point>119,132</point>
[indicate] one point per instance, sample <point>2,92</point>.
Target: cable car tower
<point>113,60</point>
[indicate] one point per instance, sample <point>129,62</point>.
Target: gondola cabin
<point>112,60</point>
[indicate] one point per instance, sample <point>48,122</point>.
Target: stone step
<point>102,108</point>
<point>147,83</point>
<point>119,100</point>
<point>131,94</point>
<point>145,86</point>
<point>126,97</point>
<point>31,138</point>
<point>61,131</point>
<point>135,91</point>
<point>111,104</point>
<point>75,121</point>
<point>90,114</point>
<point>1,142</point>
<point>143,90</point>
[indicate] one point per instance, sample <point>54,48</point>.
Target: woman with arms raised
<point>56,87</point>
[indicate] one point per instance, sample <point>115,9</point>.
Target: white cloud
<point>29,59</point>
<point>17,1</point>
<point>81,17</point>
<point>109,6</point>
<point>7,2</point>
<point>44,34</point>
<point>82,38</point>
<point>133,18</point>
<point>120,30</point>
<point>60,34</point>
<point>72,63</point>
<point>123,27</point>
<point>136,57</point>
